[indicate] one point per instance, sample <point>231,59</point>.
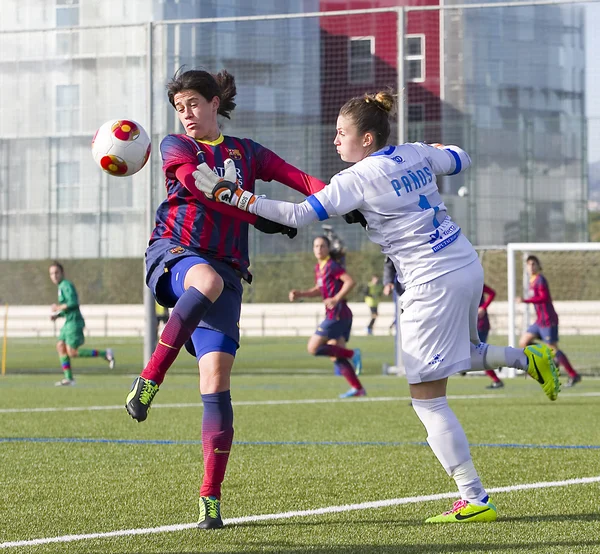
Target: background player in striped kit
<point>333,283</point>
<point>545,327</point>
<point>395,189</point>
<point>197,257</point>
<point>483,328</point>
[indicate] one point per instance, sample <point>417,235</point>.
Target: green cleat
<point>139,399</point>
<point>464,512</point>
<point>542,368</point>
<point>210,513</point>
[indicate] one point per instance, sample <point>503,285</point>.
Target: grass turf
<point>286,457</point>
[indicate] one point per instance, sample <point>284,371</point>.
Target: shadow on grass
<point>419,522</point>
<point>283,548</point>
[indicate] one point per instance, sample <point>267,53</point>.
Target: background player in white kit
<point>395,189</point>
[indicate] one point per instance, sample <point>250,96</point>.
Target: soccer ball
<point>121,147</point>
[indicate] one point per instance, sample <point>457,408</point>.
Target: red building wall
<point>335,34</point>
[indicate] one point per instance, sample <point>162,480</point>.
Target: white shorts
<point>439,323</point>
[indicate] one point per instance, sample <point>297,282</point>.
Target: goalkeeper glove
<point>271,227</point>
<point>223,189</point>
<point>355,217</point>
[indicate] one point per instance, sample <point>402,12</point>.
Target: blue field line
<point>296,443</point>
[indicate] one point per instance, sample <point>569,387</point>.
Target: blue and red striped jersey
<point>183,219</point>
<point>327,278</point>
<point>539,296</point>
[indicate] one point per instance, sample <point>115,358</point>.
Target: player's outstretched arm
<point>184,174</point>
<point>226,190</point>
<point>343,195</point>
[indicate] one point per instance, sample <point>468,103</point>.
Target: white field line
<point>300,513</point>
<point>278,402</point>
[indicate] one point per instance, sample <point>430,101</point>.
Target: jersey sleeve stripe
<point>456,160</point>
<point>318,207</point>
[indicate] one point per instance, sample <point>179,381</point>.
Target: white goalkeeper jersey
<point>396,191</point>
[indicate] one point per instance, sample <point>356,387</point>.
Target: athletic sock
<point>65,363</point>
<point>487,356</point>
<point>562,360</point>
<point>334,351</point>
<point>348,373</point>
<point>448,441</point>
<point>185,317</point>
<point>492,375</point>
<point>91,353</point>
<point>217,438</point>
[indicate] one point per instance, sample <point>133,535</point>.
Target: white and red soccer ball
<point>121,147</point>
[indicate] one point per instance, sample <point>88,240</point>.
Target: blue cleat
<point>354,392</point>
<point>357,361</point>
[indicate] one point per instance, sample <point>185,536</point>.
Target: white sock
<point>478,356</point>
<point>486,356</point>
<point>469,485</point>
<point>515,357</point>
<point>448,441</point>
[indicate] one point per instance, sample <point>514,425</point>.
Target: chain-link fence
<point>504,81</point>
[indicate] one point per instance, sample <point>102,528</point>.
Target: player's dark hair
<point>207,84</point>
<point>326,239</point>
<point>371,114</point>
<point>56,264</point>
<point>535,259</point>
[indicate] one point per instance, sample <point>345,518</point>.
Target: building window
<point>67,108</point>
<point>361,57</point>
<point>414,58</point>
<point>67,43</point>
<point>67,13</point>
<point>67,186</point>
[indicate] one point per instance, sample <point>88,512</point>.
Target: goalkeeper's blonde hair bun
<point>384,99</point>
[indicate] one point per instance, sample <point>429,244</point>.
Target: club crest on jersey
<point>234,153</point>
<point>177,250</point>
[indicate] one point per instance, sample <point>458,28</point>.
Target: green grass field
<point>333,476</point>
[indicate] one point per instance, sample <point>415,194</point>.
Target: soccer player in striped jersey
<point>483,328</point>
<point>197,258</point>
<point>395,189</point>
<point>333,283</point>
<point>71,336</point>
<point>545,327</point>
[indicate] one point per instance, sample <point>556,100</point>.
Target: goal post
<point>573,272</point>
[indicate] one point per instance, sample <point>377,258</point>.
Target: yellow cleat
<point>464,512</point>
<point>542,368</point>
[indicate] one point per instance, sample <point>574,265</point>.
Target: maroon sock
<point>334,351</point>
<point>217,438</point>
<point>492,375</point>
<point>348,373</point>
<point>187,313</point>
<point>562,360</point>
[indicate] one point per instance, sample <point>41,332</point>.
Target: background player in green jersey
<point>71,335</point>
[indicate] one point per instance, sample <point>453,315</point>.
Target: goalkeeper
<point>197,258</point>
